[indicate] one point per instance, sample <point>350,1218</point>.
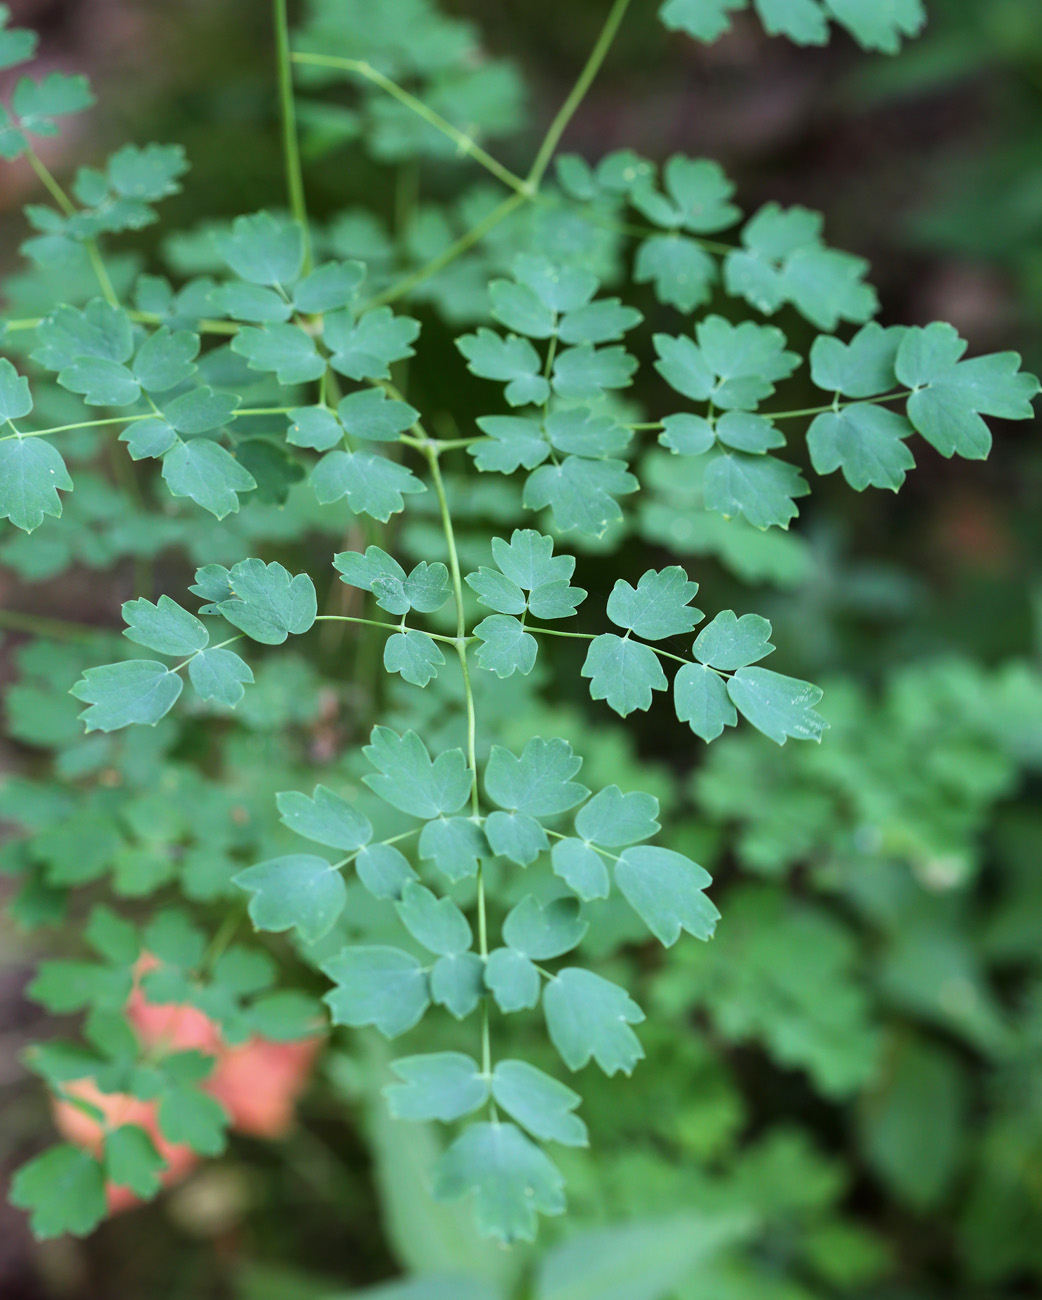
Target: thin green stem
<point>553,631</point>
<point>130,419</point>
<point>449,444</point>
<point>373,622</point>
<point>46,178</point>
<point>568,109</point>
<point>461,640</point>
<point>603,852</point>
<point>219,646</point>
<point>837,406</point>
<point>448,255</point>
<point>592,636</point>
<point>462,141</point>
<point>290,145</point>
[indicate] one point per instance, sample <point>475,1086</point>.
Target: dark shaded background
<point>930,166</point>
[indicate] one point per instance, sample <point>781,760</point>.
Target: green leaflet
<point>658,607</point>
<point>64,1189</point>
<point>131,1160</point>
<point>776,705</point>
<point>408,779</point>
<point>539,1103</point>
<point>587,1016</point>
<point>298,891</point>
<point>666,890</point>
<point>874,26</point>
<point>950,396</point>
<point>377,986</point>
<point>538,782</point>
<point>541,932</point>
<point>326,818</point>
<point>624,673</point>
<point>436,923</point>
<point>31,473</point>
<point>509,1178</point>
<point>443,1086</point>
<point>203,470</point>
<point>414,655</point>
<point>137,691</point>
<point>267,603</point>
<point>613,819</point>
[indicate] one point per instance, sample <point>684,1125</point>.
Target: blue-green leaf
<point>613,819</point>
<point>776,705</point>
<point>264,249</point>
<point>377,986</point>
<point>729,642</point>
<point>31,473</point>
<point>219,674</point>
<point>665,889</point>
<point>268,603</point>
<point>299,891</point>
<point>588,1016</point>
<point>372,484</point>
<point>541,1104</point>
<point>164,626</point>
<point>506,648</point>
<point>512,980</point>
<point>368,347</point>
<point>443,1086</point>
<point>137,691</point>
<point>658,607</point>
<point>325,817</point>
<point>623,672</point>
<point>541,932</point>
<point>455,845</point>
<point>581,868</point>
<point>413,654</point>
<point>409,781</point>
<point>436,923</point>
<point>203,470</point>
<point>511,1180</point>
<point>539,782</point>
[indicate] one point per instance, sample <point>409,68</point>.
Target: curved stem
<point>373,622</point>
<point>462,141</point>
<point>578,94</point>
<point>46,178</point>
<point>448,255</point>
